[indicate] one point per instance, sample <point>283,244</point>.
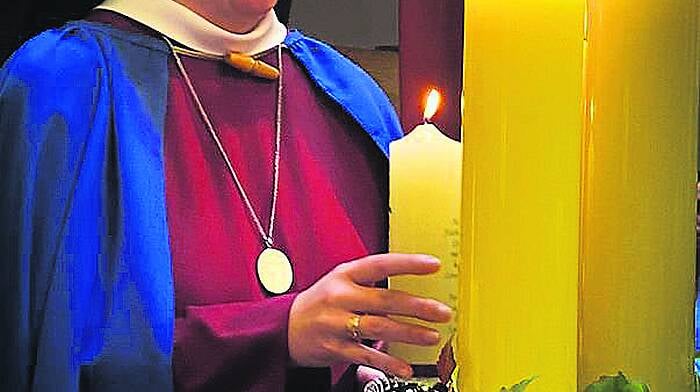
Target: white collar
<point>183,25</point>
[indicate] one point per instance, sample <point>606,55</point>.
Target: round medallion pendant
<point>275,271</point>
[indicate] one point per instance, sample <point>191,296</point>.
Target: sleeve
<point>242,344</point>
<point>40,140</point>
<point>245,344</point>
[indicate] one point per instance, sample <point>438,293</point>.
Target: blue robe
<point>86,297</point>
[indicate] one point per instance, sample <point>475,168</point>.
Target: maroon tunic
<point>229,335</point>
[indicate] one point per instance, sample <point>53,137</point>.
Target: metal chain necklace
<point>273,267</point>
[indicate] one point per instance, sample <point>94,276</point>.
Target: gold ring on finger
<point>353,327</point>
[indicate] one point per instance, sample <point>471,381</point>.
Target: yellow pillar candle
<point>522,142</point>
<point>425,198</point>
<point>580,151</point>
<point>638,240</point>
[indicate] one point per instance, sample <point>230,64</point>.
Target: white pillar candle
<point>425,199</point>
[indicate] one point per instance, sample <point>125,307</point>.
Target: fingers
<point>350,351</point>
<point>374,268</point>
<point>394,302</point>
<point>386,329</point>
<point>359,298</point>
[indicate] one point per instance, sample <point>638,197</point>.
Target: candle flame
<point>432,104</point>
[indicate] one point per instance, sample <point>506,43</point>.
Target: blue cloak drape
<point>86,291</point>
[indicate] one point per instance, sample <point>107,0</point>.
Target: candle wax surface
<point>425,189</point>
<point>580,132</point>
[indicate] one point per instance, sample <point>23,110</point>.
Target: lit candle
<point>425,199</point>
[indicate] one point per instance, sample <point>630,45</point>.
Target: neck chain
<point>273,267</point>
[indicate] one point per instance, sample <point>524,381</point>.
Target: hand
<point>366,374</point>
<point>318,317</point>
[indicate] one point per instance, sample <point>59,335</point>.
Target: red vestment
<point>230,335</point>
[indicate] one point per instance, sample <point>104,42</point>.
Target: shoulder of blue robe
<point>86,298</point>
<point>349,86</point>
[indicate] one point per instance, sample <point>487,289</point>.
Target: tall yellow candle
<point>580,155</point>
<point>638,240</point>
<point>425,199</point>
<point>522,140</point>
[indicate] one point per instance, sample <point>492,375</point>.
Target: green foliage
<point>618,383</point>
<point>519,387</point>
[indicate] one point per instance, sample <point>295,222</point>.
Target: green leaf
<point>618,383</point>
<point>519,387</point>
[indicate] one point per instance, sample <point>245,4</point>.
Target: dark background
<point>21,20</point>
<point>423,64</point>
